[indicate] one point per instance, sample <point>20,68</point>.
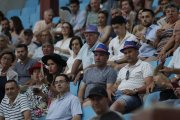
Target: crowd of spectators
<point>106,50</point>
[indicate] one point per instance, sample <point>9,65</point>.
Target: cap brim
<point>101,51</point>
<point>122,50</point>
<point>91,32</point>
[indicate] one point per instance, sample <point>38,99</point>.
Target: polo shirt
<point>116,45</point>
<point>86,54</point>
<point>137,74</point>
<point>14,111</point>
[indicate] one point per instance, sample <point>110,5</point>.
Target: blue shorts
<point>130,102</point>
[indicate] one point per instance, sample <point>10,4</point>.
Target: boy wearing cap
<point>99,75</point>
<point>132,80</point>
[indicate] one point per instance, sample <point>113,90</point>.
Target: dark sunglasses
<point>127,75</point>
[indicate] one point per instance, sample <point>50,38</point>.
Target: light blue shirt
<point>64,108</point>
<point>147,50</point>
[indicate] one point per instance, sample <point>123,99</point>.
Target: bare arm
<point>2,118</point>
<point>106,35</point>
<point>27,115</point>
<point>81,91</point>
<point>77,117</point>
<point>75,66</point>
<point>148,81</point>
<point>109,89</point>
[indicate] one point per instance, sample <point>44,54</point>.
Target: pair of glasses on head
<point>127,75</point>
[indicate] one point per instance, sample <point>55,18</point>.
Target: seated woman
<point>7,58</point>
<point>166,31</point>
<point>37,91</point>
<point>75,45</point>
<point>104,29</point>
<point>62,46</point>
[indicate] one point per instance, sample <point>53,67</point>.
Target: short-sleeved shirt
<point>15,111</point>
<point>22,70</point>
<point>137,74</point>
<point>175,61</point>
<point>116,45</point>
<point>64,108</point>
<point>86,54</point>
<point>147,50</point>
<point>98,77</point>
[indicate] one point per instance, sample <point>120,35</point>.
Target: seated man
<point>99,101</point>
<point>14,105</point>
<point>66,106</point>
<point>132,80</point>
<point>99,75</point>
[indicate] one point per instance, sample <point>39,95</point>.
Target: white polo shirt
<point>116,45</point>
<point>86,54</point>
<point>137,74</point>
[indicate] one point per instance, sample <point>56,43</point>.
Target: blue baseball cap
<point>91,29</point>
<point>101,48</point>
<point>130,44</point>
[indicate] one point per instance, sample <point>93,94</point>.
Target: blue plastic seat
<point>56,20</point>
<point>27,11</point>
<point>74,88</point>
<point>63,3</point>
<point>88,113</point>
<point>31,3</point>
<point>15,12</point>
<point>25,21</point>
<point>34,18</point>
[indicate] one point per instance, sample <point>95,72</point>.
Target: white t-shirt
<point>137,74</point>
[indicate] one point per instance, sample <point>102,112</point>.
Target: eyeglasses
<point>60,82</point>
<point>127,75</point>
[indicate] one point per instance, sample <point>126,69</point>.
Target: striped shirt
<point>14,111</point>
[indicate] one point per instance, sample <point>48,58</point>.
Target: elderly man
<point>45,24</point>
<point>66,106</point>
<point>99,75</point>
<point>85,55</point>
<point>14,106</point>
<point>132,80</point>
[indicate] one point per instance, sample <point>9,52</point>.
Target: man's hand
<point>159,32</point>
<point>128,92</point>
<point>140,36</point>
<point>150,87</point>
<point>110,93</point>
<point>166,70</point>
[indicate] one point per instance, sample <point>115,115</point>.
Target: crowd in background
<point>108,50</point>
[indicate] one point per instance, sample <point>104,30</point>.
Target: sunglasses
<point>127,75</point>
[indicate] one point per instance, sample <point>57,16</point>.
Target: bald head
<point>48,15</point>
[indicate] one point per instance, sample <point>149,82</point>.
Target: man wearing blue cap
<point>132,80</point>
<point>99,75</point>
